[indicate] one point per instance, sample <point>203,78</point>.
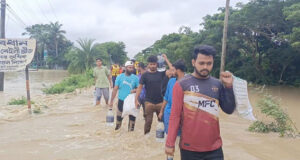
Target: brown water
<point>15,83</point>
<point>71,128</point>
<point>289,98</point>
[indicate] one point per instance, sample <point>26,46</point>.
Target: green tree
<point>38,32</point>
<point>292,14</point>
<point>49,38</point>
<point>263,41</point>
<point>56,34</point>
<point>82,58</point>
<point>115,50</point>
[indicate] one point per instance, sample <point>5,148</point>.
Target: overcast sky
<point>138,23</point>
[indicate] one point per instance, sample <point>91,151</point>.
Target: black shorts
<point>210,155</point>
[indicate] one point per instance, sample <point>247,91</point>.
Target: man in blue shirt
<point>167,103</point>
<point>126,83</point>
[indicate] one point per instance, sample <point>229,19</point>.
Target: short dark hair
<point>142,65</point>
<point>204,49</point>
<point>179,64</point>
<point>99,59</point>
<point>152,59</point>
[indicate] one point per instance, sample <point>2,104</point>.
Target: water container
<point>161,65</point>
<point>160,134</point>
<point>110,118</point>
<point>170,157</point>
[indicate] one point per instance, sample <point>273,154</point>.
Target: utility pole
<point>223,57</point>
<point>3,7</point>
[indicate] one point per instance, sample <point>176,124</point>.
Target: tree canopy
<point>263,41</point>
<point>83,58</point>
<point>51,43</point>
<point>263,44</point>
<point>54,50</point>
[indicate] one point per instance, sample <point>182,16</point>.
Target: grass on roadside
<point>71,83</point>
<point>19,101</point>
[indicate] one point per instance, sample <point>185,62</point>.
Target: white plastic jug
<point>170,157</point>
<point>110,118</point>
<point>160,134</point>
<point>161,65</point>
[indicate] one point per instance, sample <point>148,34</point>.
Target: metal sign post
<point>28,90</point>
<point>16,55</point>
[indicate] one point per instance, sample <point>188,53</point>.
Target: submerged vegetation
<point>19,101</point>
<point>280,123</point>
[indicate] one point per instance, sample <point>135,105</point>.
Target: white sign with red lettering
<point>16,54</point>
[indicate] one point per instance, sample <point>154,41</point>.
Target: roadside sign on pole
<point>16,54</point>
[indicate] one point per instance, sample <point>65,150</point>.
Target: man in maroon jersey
<point>195,106</point>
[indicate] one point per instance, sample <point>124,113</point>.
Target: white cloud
<point>138,23</point>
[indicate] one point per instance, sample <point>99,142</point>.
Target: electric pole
<point>223,57</point>
<point>3,7</point>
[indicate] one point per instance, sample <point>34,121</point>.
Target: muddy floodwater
<point>71,128</point>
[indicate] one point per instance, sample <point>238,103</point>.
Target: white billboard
<point>16,54</point>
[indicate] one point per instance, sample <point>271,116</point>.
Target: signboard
<point>45,54</point>
<point>16,54</point>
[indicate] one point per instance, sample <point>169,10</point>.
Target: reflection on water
<point>70,127</point>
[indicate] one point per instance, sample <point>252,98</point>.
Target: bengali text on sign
<point>16,54</point>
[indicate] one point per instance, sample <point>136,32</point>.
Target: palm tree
<point>87,48</point>
<point>38,32</point>
<point>56,33</point>
<point>82,58</point>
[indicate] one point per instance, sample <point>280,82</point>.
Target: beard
<point>153,69</point>
<point>128,72</point>
<point>202,73</point>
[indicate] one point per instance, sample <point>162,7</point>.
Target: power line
<point>15,15</point>
<point>43,13</point>
<point>52,9</point>
<point>11,18</point>
<point>36,14</point>
<point>23,13</point>
<point>16,20</point>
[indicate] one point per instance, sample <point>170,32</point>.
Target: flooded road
<point>71,128</point>
<point>15,83</point>
<point>288,98</point>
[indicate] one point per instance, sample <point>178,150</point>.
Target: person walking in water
<point>126,83</point>
<point>115,71</point>
<point>152,80</point>
<point>195,106</point>
<point>167,103</point>
<point>102,81</point>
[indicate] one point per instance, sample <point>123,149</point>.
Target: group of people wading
<point>188,104</point>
